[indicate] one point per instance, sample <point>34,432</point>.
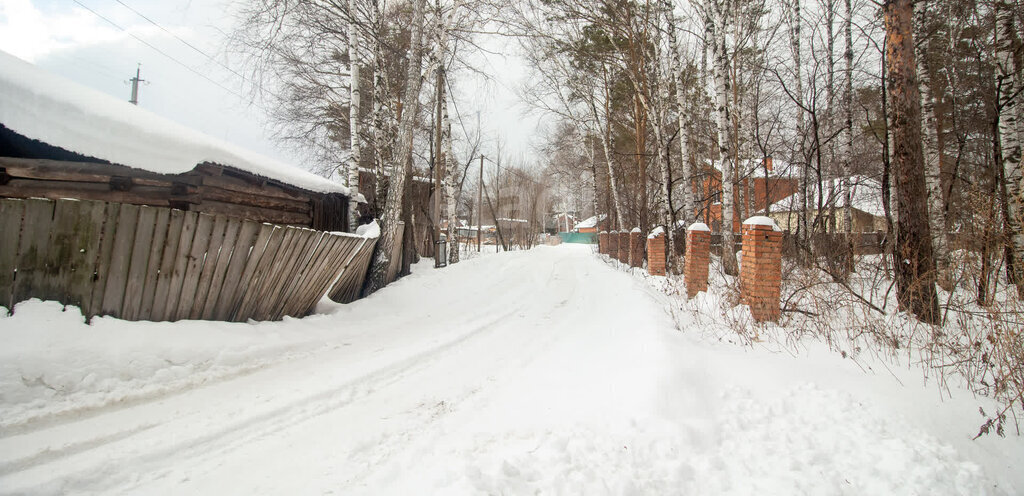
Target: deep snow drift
<point>543,371</point>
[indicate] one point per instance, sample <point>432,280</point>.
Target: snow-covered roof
<point>43,106</point>
<point>866,196</point>
<point>591,221</point>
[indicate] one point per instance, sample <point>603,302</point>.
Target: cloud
<point>32,33</point>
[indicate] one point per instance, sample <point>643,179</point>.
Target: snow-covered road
<point>545,370</point>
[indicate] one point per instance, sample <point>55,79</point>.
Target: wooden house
<point>111,208</point>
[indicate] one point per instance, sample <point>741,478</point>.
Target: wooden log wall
<point>208,188</point>
<point>150,263</point>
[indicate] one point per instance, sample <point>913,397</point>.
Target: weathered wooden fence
<point>152,263</point>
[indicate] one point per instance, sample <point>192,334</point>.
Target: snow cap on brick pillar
<point>698,256</point>
<point>761,269</point>
<point>623,254</point>
<point>636,248</point>
<point>656,252</point>
<point>613,245</point>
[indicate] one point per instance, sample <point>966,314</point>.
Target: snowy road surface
<point>544,371</point>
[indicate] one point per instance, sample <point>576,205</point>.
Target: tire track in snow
<point>239,433</point>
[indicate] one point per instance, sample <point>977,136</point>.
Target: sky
<point>193,87</point>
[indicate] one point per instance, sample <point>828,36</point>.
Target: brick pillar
<point>636,248</point>
<point>761,270</point>
<point>623,254</point>
<point>698,255</point>
<point>656,253</point>
<point>613,245</point>
<point>602,242</point>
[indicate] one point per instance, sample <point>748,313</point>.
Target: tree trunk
<point>684,121</point>
<point>396,189</point>
<point>1008,80</point>
<point>847,116</point>
<point>915,272</point>
<point>353,117</point>
<point>716,22</point>
<point>794,21</point>
<point>932,158</point>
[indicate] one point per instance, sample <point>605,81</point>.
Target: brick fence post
<point>698,256</point>
<point>761,269</point>
<point>623,254</point>
<point>613,245</point>
<point>602,242</point>
<point>656,252</point>
<point>636,248</point>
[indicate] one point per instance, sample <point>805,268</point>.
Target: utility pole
<point>438,160</point>
<point>480,204</point>
<point>135,85</point>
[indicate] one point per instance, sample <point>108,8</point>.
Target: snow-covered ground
<point>544,371</point>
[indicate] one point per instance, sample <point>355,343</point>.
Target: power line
<point>161,52</point>
<point>185,42</point>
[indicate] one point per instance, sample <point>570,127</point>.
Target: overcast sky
<point>64,37</point>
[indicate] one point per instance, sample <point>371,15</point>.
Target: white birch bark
<point>930,142</point>
<point>355,148</point>
<point>396,187</point>
<point>792,13</point>
<point>683,118</point>
<point>847,115</point>
<point>1008,79</point>
<point>716,21</point>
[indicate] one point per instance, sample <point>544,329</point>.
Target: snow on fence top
<point>636,230</point>
<point>46,107</point>
<point>699,226</point>
<point>658,231</point>
<point>760,220</point>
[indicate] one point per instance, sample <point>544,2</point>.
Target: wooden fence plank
<point>349,286</point>
<point>181,261</point>
<point>176,232</point>
<point>101,263</point>
<point>120,260</point>
<point>291,272</point>
<point>272,283</point>
<point>31,277</point>
<point>311,277</point>
<point>11,214</point>
<point>227,250</point>
<point>246,247</point>
<point>258,277</point>
<point>84,228</point>
<point>220,224</point>
<point>156,257</point>
<point>337,269</point>
<point>194,267</point>
<point>141,247</point>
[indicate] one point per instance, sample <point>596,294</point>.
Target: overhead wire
<point>161,52</point>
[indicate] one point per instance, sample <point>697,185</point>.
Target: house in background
<point>563,222</point>
<point>593,224</point>
<point>113,209</point>
<point>866,205</point>
<point>763,183</point>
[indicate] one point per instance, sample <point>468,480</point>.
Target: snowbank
<point>59,112</point>
<point>371,230</point>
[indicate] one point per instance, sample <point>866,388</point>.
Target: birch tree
<point>377,278</point>
<point>716,20</point>
<point>930,137</point>
<point>1008,89</point>
<point>353,110</point>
